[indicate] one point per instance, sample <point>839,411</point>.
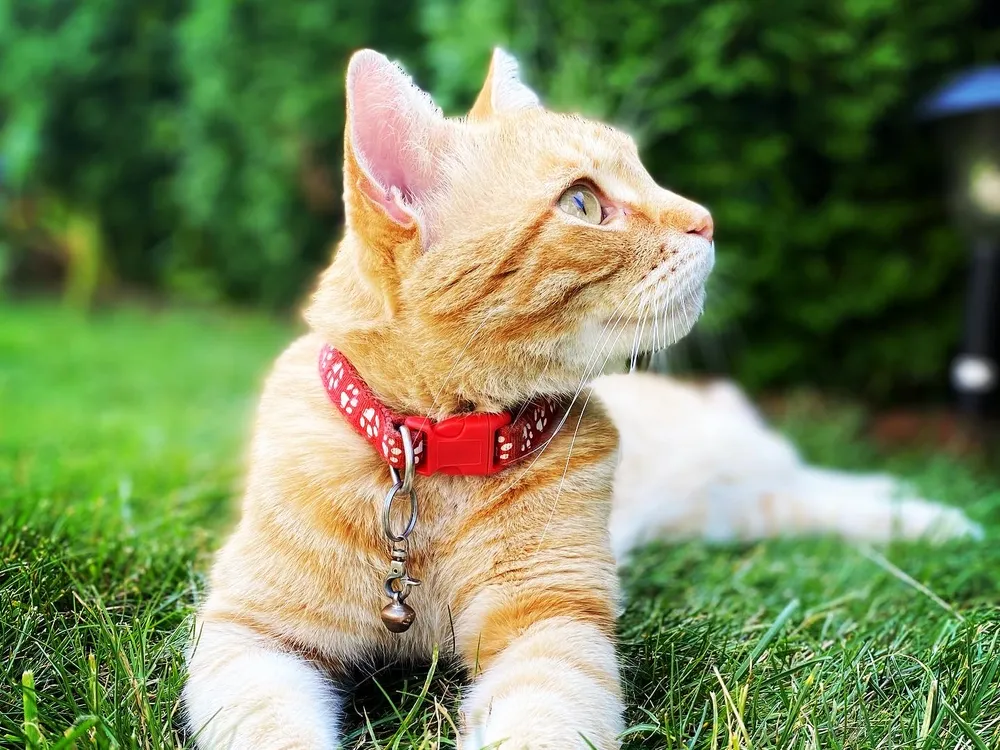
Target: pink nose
<point>703,225</point>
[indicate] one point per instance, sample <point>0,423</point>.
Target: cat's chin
<point>677,322</point>
<point>604,344</point>
<point>664,326</point>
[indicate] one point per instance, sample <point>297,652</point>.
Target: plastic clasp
<point>464,444</point>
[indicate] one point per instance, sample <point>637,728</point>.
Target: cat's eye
<point>580,202</point>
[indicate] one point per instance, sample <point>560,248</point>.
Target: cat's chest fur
<point>312,511</point>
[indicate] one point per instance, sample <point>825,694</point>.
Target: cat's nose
<point>682,215</point>
<point>702,224</point>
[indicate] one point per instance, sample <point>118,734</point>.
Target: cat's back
<point>648,409</point>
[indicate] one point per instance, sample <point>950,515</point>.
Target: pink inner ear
<point>508,93</point>
<point>393,127</point>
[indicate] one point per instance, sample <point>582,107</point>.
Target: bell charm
<point>397,616</point>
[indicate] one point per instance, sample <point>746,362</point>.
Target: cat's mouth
<point>673,278</point>
<point>679,292</point>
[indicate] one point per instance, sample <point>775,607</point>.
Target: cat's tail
<point>699,462</point>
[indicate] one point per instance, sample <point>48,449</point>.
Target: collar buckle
<point>464,445</point>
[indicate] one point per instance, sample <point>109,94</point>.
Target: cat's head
<point>508,253</point>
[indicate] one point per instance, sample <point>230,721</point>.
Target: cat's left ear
<point>393,132</point>
<point>394,139</point>
<point>503,90</point>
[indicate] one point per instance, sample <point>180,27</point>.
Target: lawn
<point>121,444</point>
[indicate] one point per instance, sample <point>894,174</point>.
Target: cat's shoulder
<point>294,411</point>
<point>586,441</point>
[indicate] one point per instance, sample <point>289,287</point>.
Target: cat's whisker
<point>636,338</point>
<point>692,312</point>
<point>655,314</point>
<point>665,312</point>
<point>681,319</point>
<point>653,317</point>
<point>572,444</point>
<point>643,320</point>
<point>673,329</point>
<point>650,319</point>
<point>656,326</point>
<point>610,327</point>
<point>668,338</point>
<point>657,332</point>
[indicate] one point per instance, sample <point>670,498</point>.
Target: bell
<point>398,616</point>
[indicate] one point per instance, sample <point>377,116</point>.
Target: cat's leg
<point>246,692</point>
<point>799,500</point>
<point>546,674</point>
<point>861,507</point>
<point>700,462</point>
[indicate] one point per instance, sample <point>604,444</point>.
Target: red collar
<point>471,444</point>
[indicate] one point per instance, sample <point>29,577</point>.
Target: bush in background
<point>261,123</point>
<point>205,136</point>
<point>88,95</point>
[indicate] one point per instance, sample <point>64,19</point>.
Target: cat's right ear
<point>393,136</point>
<point>503,90</point>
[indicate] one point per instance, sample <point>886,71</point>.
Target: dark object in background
<point>969,107</point>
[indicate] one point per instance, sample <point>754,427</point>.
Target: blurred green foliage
<point>205,136</point>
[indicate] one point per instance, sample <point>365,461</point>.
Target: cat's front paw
<point>536,722</point>
<point>521,738</point>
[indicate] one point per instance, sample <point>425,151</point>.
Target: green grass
<point>121,442</point>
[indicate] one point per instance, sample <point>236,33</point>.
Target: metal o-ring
<point>409,460</point>
<point>387,510</point>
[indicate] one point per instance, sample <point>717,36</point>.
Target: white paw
<point>921,519</point>
<point>485,738</point>
<point>528,728</point>
<point>475,739</point>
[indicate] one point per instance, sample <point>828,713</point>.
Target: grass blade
<point>765,641</point>
<point>32,731</point>
<point>965,726</point>
<point>68,741</point>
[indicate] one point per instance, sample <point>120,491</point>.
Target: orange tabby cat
<point>487,261</point>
